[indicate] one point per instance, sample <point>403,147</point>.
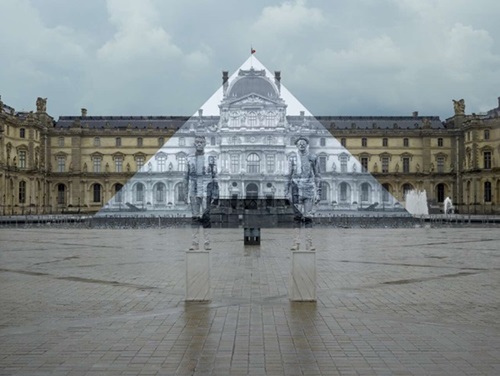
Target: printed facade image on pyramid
<point>250,127</point>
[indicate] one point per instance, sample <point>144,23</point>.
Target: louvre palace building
<point>137,164</point>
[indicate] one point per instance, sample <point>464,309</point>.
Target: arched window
<point>139,192</point>
<point>61,194</point>
<point>324,191</point>
<point>407,188</point>
<point>180,194</point>
<point>22,133</point>
<point>212,141</point>
<point>406,142</point>
<point>365,192</point>
<point>440,192</point>
<point>22,192</point>
<point>97,192</point>
<point>253,163</point>
<point>160,192</point>
<point>322,141</point>
<point>252,120</point>
<point>162,162</point>
<point>345,192</point>
<point>181,163</point>
<point>118,192</point>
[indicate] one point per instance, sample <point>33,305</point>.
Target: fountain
<point>448,207</point>
<point>416,202</point>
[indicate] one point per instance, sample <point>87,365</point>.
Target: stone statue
<point>128,167</point>
<point>85,167</point>
<point>396,169</point>
<point>459,107</point>
<point>170,167</point>
<point>201,191</point>
<point>150,167</point>
<point>334,167</point>
<point>107,167</point>
<point>304,189</point>
<point>41,104</point>
<point>417,167</point>
<point>375,167</point>
<point>432,167</point>
<point>354,168</point>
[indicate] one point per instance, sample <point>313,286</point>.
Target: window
<point>97,141</point>
<point>22,159</point>
<point>160,192</point>
<point>440,164</point>
<point>118,193</point>
<point>139,192</point>
<point>252,120</point>
<point>118,141</point>
<point>22,133</point>
<point>61,194</point>
<point>487,159</point>
<point>385,192</point>
<point>270,119</point>
<point>364,164</point>
<point>324,191</point>
<point>181,163</point>
<point>270,163</point>
<point>235,163</point>
<point>343,142</point>
<point>343,163</point>
<point>60,142</point>
<point>365,192</point>
<point>440,141</point>
<point>96,189</point>
<point>406,142</point>
<point>182,141</point>
<point>118,164</point>
<point>212,141</point>
<point>487,191</point>
<point>406,165</point>
<point>253,163</point>
<point>97,164</point>
<point>364,142</point>
<point>385,164</point>
<point>440,192</point>
<point>322,141</point>
<point>161,141</point>
<point>486,134</point>
<point>139,160</point>
<point>322,163</point>
<point>344,188</point>
<point>385,142</point>
<point>139,141</point>
<point>22,192</point>
<point>61,163</point>
<point>181,194</point>
<point>407,188</point>
<point>162,163</point>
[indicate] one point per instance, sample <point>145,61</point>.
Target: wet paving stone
<point>421,301</point>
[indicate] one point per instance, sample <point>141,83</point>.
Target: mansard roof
<point>175,122</point>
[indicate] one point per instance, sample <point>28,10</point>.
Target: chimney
<point>84,112</point>
<point>225,79</point>
<point>200,112</point>
<point>277,80</point>
<point>415,114</point>
<point>498,102</point>
<point>302,113</point>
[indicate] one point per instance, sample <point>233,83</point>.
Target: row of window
<point>385,142</point>
<point>160,192</point>
<point>486,135</point>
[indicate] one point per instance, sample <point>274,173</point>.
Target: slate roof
<point>175,122</point>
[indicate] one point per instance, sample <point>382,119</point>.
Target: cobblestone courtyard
<point>419,301</point>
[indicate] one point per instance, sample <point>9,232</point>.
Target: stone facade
<point>79,163</point>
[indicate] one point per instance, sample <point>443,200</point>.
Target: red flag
<point>252,51</point>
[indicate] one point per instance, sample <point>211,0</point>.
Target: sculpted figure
<point>201,191</point>
<point>459,107</point>
<point>41,104</point>
<point>304,189</point>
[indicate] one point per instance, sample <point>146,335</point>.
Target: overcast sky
<point>165,57</point>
